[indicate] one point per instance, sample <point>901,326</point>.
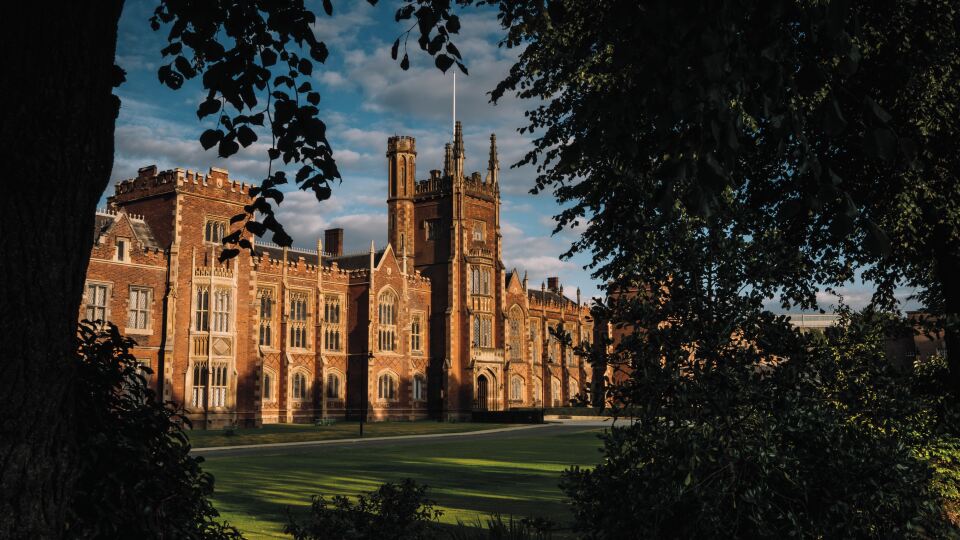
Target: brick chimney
<point>553,284</point>
<point>147,172</point>
<point>333,242</point>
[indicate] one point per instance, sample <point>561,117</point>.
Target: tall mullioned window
<point>202,313</point>
<point>96,309</point>
<point>332,325</point>
<point>388,321</point>
<point>138,312</point>
<point>218,385</point>
<point>476,331</point>
<point>333,386</point>
<point>516,326</point>
<point>535,339</point>
<point>516,388</point>
<point>199,395</point>
<point>266,317</point>
<point>416,333</point>
<point>480,280</point>
<point>299,386</point>
<point>298,320</point>
<point>419,387</point>
<point>221,310</point>
<point>486,332</point>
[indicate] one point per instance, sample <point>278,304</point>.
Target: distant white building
<point>807,322</point>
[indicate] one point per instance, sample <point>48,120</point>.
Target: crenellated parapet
<point>150,182</point>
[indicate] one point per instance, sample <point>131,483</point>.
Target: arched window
<point>475,280</point>
<point>299,386</point>
<point>478,232</point>
<point>516,388</point>
<point>267,386</point>
<point>388,321</point>
<point>387,387</point>
<point>516,329</point>
<point>574,388</point>
<point>485,278</point>
<point>403,176</point>
<point>555,389</point>
<point>333,386</point>
<point>419,387</point>
<point>537,392</point>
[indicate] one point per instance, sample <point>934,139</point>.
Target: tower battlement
<point>402,143</point>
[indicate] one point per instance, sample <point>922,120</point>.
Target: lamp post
<point>365,393</point>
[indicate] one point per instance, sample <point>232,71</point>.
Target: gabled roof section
<point>513,281</point>
<point>106,219</point>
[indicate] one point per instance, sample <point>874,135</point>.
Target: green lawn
<point>281,433</point>
<point>468,478</point>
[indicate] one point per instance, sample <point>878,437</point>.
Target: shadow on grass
<point>468,479</point>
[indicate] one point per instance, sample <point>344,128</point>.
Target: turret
<point>401,172</point>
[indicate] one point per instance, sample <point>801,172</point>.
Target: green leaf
<point>443,62</point>
<point>246,136</point>
<point>210,137</point>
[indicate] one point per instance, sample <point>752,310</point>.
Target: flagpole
<point>454,126</point>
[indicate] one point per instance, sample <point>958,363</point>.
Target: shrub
<point>392,512</point>
<point>138,479</point>
<point>496,528</point>
<point>822,445</point>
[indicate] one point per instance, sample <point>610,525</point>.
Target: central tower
<point>450,224</point>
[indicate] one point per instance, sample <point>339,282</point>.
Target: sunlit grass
<point>281,433</point>
<point>468,478</point>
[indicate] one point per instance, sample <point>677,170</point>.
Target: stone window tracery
<point>387,333</point>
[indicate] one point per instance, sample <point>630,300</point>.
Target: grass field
<point>280,433</point>
<point>468,478</point>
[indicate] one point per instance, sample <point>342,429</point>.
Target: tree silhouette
<point>59,72</point>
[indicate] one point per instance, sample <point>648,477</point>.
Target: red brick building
<point>431,325</point>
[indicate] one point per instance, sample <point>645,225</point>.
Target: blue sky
<point>366,97</point>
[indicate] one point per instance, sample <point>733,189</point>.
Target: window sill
<point>138,331</point>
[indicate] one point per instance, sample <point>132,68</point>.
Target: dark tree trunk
<point>947,272</point>
<point>56,134</point>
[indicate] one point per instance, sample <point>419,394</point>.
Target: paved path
<point>401,440</point>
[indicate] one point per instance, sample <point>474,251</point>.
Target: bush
<point>138,479</point>
<point>496,528</point>
<point>392,512</point>
<point>822,445</point>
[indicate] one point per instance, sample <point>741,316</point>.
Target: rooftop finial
<point>493,167</point>
<point>458,152</point>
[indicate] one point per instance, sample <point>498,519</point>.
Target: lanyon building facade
<point>431,325</point>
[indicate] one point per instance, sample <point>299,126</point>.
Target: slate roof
<point>353,261</point>
<point>549,295</point>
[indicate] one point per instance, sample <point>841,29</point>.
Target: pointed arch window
<point>333,386</point>
<point>387,387</point>
<point>299,386</point>
<point>419,387</point>
<point>388,321</point>
<point>202,309</point>
<point>516,388</point>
